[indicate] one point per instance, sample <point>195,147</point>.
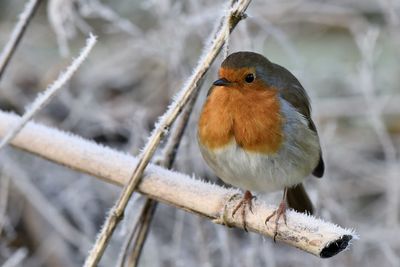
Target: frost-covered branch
<point>235,14</point>
<point>17,33</point>
<point>312,235</point>
<point>44,98</point>
<point>150,205</point>
<point>16,258</point>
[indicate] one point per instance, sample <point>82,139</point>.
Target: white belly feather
<point>296,159</point>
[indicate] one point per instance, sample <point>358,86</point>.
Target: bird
<point>256,133</point>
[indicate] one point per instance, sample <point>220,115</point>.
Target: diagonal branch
<point>17,33</point>
<point>44,98</point>
<point>236,13</point>
<point>150,205</point>
<point>139,235</point>
<point>305,232</point>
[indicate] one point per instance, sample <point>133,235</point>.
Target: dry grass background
<point>345,53</point>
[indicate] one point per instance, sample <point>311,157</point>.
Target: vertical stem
<point>116,214</point>
<point>169,158</point>
<point>143,230</point>
<point>16,35</point>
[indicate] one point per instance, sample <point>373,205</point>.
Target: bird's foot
<point>247,200</point>
<point>278,213</point>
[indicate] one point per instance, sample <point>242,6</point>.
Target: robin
<point>255,132</point>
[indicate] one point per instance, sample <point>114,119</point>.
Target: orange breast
<point>251,117</point>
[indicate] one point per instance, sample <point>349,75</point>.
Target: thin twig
<point>172,146</point>
<point>16,259</point>
<point>44,98</point>
<point>17,33</point>
<point>38,201</point>
<point>168,160</point>
<point>312,235</point>
<point>165,122</point>
<point>4,190</point>
<point>142,232</point>
<point>132,234</point>
<point>139,231</point>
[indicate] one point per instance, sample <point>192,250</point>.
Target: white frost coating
<point>16,258</point>
<point>17,31</point>
<point>227,35</point>
<point>43,98</point>
<point>117,158</point>
<point>177,189</point>
<point>199,186</point>
<point>203,63</point>
<point>319,224</point>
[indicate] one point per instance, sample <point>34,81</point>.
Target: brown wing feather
<point>320,168</point>
<point>297,199</point>
<point>293,92</point>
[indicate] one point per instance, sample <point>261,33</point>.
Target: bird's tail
<point>297,199</point>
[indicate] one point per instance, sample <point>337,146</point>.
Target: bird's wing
<point>294,93</point>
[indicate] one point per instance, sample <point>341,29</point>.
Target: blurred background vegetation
<point>345,53</point>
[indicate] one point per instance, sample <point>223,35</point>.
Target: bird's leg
<point>246,201</point>
<point>224,218</point>
<point>279,212</point>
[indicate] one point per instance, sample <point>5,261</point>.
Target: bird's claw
<point>247,200</point>
<point>278,213</point>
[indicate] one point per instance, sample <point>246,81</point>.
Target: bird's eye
<point>249,78</point>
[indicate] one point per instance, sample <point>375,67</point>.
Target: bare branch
<point>150,205</point>
<point>236,13</point>
<point>4,189</point>
<point>17,33</point>
<point>44,98</point>
<point>17,258</point>
<point>141,234</point>
<point>312,235</point>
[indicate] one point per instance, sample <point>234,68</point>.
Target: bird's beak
<point>222,82</point>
